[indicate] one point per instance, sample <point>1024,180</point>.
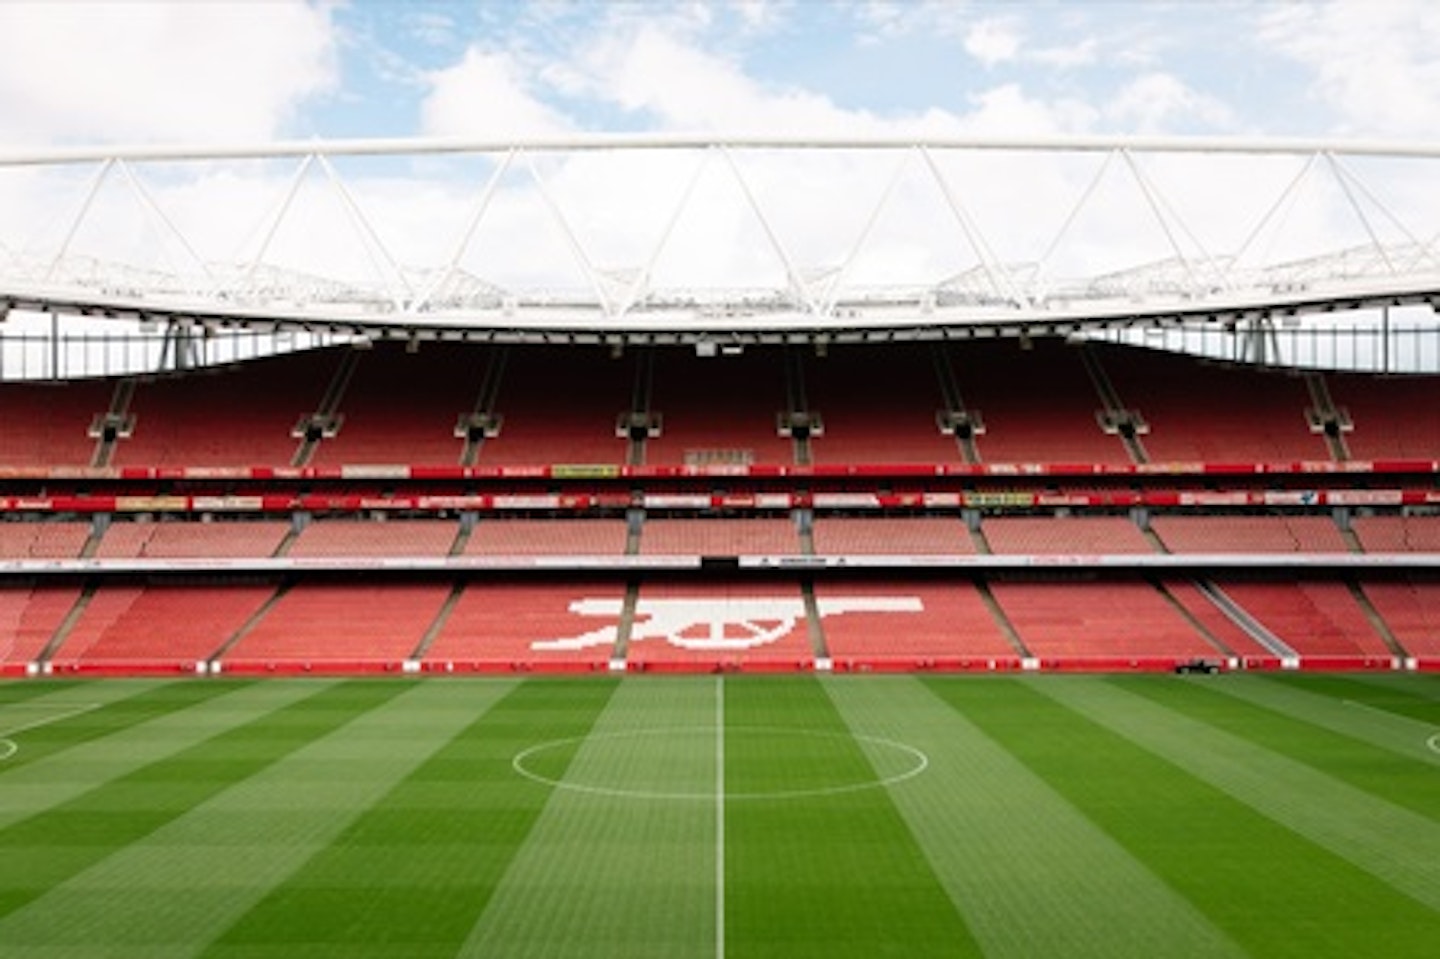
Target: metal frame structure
<point>1181,282</point>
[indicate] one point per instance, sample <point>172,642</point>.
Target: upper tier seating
<point>891,535</point>
<point>719,537</point>
<point>1392,417</point>
<point>1046,535</point>
<point>1198,411</point>
<point>390,537</point>
<point>45,424</point>
<point>184,540</point>
<point>560,405</point>
<point>1038,405</point>
<point>402,407</point>
<point>234,416</point>
<point>719,409</point>
<point>1249,534</point>
<point>877,405</point>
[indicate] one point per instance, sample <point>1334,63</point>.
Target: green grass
<point>1072,816</point>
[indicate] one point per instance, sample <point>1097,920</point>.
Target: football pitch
<point>707,816</point>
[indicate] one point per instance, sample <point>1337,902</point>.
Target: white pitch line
<point>1434,743</point>
<point>8,746</point>
<point>719,817</point>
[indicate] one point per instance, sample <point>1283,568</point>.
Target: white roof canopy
<point>648,235</point>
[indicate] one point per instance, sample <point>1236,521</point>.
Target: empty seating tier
<point>1411,608</point>
<point>1106,623</point>
<point>547,537</point>
<point>1094,535</point>
<point>1391,417</point>
<point>1398,534</point>
<point>1313,618</point>
<point>719,624</point>
<point>47,424</point>
<point>718,410</point>
<point>174,626</point>
<point>560,406</point>
<point>1201,412</point>
<point>891,535</point>
<point>184,540</point>
<point>1248,534</point>
<point>877,405</point>
<point>42,540</point>
<point>528,625</point>
<point>402,407</point>
<point>347,624</point>
<point>1037,405</point>
<point>1225,630</point>
<point>719,537</point>
<point>909,625</point>
<point>29,616</point>
<point>242,415</point>
<point>391,537</point>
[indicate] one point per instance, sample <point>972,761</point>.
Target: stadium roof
<point>661,238</point>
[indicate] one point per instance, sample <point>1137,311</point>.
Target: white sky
<point>112,70</point>
<point>139,72</point>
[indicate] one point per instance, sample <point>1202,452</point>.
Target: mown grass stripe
<point>1401,735</point>
<point>412,874</point>
<point>1423,686</point>
<point>162,896</point>
<point>1030,874</point>
<point>1274,892</point>
<point>61,776</point>
<point>118,715</point>
<point>1394,844</point>
<point>1390,697</point>
<point>626,870</point>
<point>24,690</point>
<point>55,845</point>
<point>1410,784</point>
<point>830,875</point>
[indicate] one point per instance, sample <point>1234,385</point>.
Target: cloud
<point>1157,102</point>
<point>1375,63</point>
<point>994,40</point>
<point>487,94</point>
<point>184,72</point>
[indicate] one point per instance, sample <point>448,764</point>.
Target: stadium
<point>701,581</point>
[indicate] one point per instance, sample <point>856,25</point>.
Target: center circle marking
<point>917,763</point>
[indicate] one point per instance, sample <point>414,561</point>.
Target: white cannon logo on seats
<point>718,624</point>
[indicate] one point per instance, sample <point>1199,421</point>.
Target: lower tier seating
<point>29,616</point>
<point>158,625</point>
<point>755,624</point>
<point>526,623</point>
<point>339,622</point>
<point>1411,608</point>
<point>1312,618</point>
<point>1099,621</point>
<point>896,624</point>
